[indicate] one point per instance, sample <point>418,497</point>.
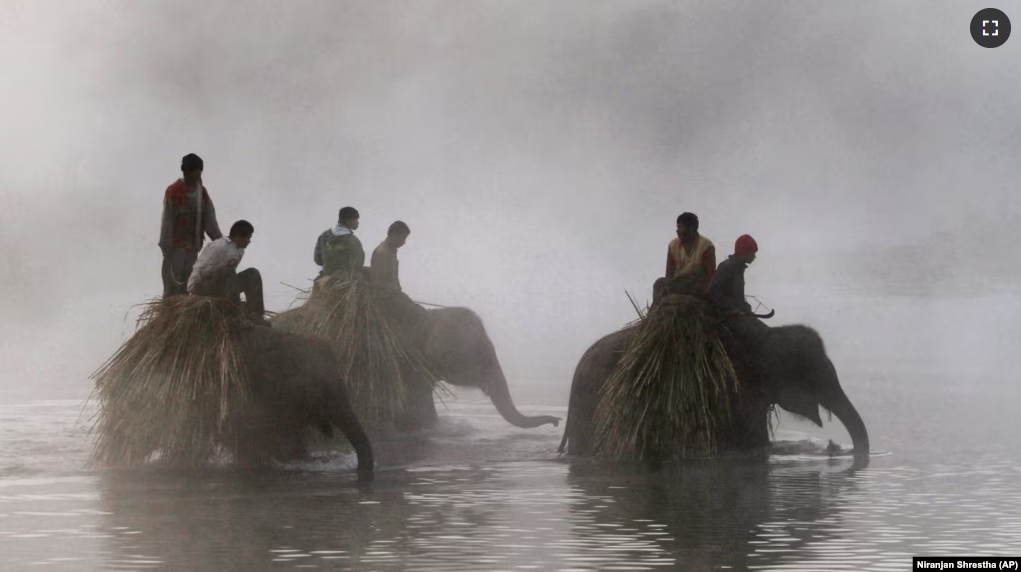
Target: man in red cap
<point>726,289</point>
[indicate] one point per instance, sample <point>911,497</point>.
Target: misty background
<point>539,151</point>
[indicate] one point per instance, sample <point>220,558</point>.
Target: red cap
<point>745,245</point>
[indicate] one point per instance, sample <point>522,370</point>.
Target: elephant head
<point>791,366</point>
<point>295,384</point>
<point>458,350</point>
<point>460,353</point>
<point>786,366</point>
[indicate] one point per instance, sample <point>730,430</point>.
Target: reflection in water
<point>514,516</point>
<point>701,515</point>
<point>233,521</point>
<point>474,495</point>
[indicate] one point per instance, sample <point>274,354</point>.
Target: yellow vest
<point>685,263</point>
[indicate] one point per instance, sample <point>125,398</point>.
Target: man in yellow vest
<point>690,261</point>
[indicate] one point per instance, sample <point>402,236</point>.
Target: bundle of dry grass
<point>377,359</point>
<point>669,396</point>
<point>174,385</point>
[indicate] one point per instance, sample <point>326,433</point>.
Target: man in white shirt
<point>215,272</point>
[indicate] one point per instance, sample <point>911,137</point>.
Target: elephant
<point>785,366</point>
<point>294,384</point>
<point>458,351</point>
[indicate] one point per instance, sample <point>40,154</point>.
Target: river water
<point>478,494</point>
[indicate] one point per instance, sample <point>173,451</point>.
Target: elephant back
<point>670,394</point>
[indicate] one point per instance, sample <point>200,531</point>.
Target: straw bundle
<point>377,359</point>
<point>173,387</point>
<point>669,396</point>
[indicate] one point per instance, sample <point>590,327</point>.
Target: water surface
<point>478,494</point>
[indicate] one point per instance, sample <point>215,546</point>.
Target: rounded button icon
<point>990,28</point>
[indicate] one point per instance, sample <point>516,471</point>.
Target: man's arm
<point>359,253</point>
<point>317,254</point>
<point>669,264</point>
<point>719,287</point>
<point>739,298</point>
<point>377,267</point>
<point>209,223</point>
<point>709,263</point>
<point>166,228</point>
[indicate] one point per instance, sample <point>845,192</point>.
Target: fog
<point>539,151</point>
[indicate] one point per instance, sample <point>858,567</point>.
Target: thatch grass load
<point>670,395</point>
<point>174,386</point>
<point>377,358</point>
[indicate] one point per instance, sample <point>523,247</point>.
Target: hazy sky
<point>540,152</point>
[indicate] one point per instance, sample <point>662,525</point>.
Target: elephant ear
<point>800,402</point>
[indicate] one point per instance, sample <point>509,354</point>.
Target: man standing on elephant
<point>338,249</point>
<point>384,266</point>
<point>188,214</point>
<point>690,260</point>
<point>726,289</point>
<point>215,272</point>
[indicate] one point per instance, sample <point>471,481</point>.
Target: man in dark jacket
<point>338,249</point>
<point>726,292</point>
<point>726,289</point>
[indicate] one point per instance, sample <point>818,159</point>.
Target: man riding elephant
<point>726,288</point>
<point>338,249</point>
<point>726,292</point>
<point>690,261</point>
<point>215,272</point>
<point>384,267</point>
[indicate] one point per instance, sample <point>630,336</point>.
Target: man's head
<point>745,248</point>
<point>191,167</point>
<point>348,217</point>
<point>241,233</point>
<point>687,227</point>
<point>397,234</point>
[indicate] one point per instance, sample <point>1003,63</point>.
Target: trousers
<point>177,265</point>
<point>233,284</point>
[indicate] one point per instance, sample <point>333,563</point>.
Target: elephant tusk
<point>763,316</point>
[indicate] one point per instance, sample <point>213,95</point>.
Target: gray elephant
<point>294,385</point>
<point>785,366</point>
<point>458,351</point>
<point>155,397</point>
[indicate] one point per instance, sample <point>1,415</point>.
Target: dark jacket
<point>726,289</point>
<point>343,253</point>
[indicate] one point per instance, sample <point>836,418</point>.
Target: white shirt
<point>219,255</point>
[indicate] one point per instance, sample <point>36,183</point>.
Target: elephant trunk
<point>363,449</point>
<point>347,421</point>
<point>841,406</point>
<point>498,391</point>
